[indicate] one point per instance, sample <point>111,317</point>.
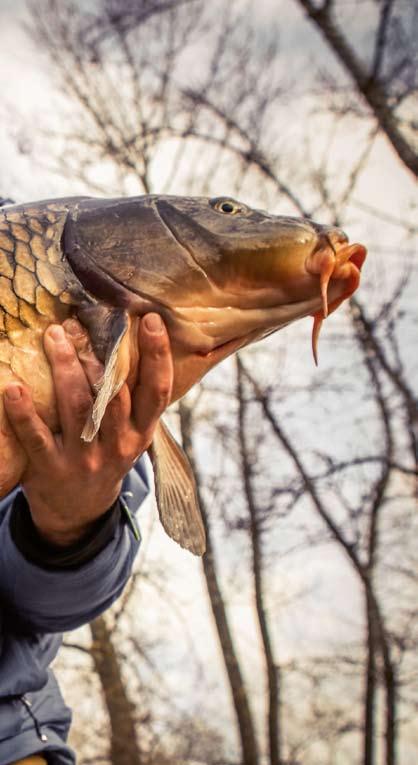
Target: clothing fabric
<point>43,595</point>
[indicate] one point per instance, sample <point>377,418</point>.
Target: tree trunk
<point>370,688</point>
<point>124,749</point>
<point>245,722</point>
<point>273,672</point>
<point>389,679</point>
<point>391,728</point>
<point>389,675</point>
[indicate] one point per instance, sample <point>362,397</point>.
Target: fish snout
<point>333,259</point>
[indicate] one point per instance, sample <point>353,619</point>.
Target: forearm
<point>73,585</point>
<point>53,600</point>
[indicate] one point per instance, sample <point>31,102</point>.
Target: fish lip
<point>356,254</point>
<point>339,262</point>
<point>335,259</point>
<point>340,251</point>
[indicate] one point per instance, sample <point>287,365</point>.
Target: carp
<point>220,274</point>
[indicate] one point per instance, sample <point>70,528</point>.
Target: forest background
<point>295,641</point>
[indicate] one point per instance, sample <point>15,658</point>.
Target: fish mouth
<point>333,261</point>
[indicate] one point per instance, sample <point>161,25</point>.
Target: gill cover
<point>123,248</point>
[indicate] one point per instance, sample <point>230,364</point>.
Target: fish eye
<point>226,206</point>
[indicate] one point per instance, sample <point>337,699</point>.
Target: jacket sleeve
<point>76,585</point>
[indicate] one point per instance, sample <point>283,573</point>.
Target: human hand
<point>69,483</point>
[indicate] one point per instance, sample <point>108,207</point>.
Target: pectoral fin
<point>108,329</point>
<point>176,494</point>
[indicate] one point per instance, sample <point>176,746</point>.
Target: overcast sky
<point>27,99</point>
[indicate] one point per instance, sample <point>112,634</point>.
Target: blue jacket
<point>41,597</point>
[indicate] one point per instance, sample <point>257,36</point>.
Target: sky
<point>28,99</point>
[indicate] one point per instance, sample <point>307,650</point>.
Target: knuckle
<point>63,353</point>
<point>161,349</point>
<point>118,412</point>
<point>156,345</point>
<point>126,453</point>
<point>80,405</point>
<point>162,395</point>
<point>113,409</point>
<point>124,463</point>
<point>22,416</point>
<point>90,463</point>
<point>24,420</point>
<point>147,438</point>
<point>129,445</point>
<point>38,442</point>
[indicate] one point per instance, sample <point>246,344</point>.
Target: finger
<point>155,381</point>
<point>116,423</point>
<point>80,339</point>
<point>30,430</point>
<point>72,389</point>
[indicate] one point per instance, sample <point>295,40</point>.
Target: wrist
<point>61,528</point>
<point>63,537</point>
<point>44,554</point>
<point>64,521</point>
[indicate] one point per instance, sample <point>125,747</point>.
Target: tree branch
<point>372,91</point>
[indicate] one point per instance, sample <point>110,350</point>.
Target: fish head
<point>263,272</point>
<point>220,273</point>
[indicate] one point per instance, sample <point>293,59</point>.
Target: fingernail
<point>14,392</point>
<point>153,323</point>
<point>73,328</point>
<point>56,333</point>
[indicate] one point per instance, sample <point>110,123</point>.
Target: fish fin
<point>176,493</point>
<point>115,372</point>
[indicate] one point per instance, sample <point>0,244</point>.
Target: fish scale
<point>31,267</point>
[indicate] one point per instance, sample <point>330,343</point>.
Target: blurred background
<point>294,641</point>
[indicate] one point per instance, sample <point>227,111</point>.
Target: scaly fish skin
<point>220,274</point>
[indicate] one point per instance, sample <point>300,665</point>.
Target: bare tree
<point>247,734</point>
<point>131,107</point>
<point>274,726</point>
<point>124,749</point>
<point>387,81</point>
